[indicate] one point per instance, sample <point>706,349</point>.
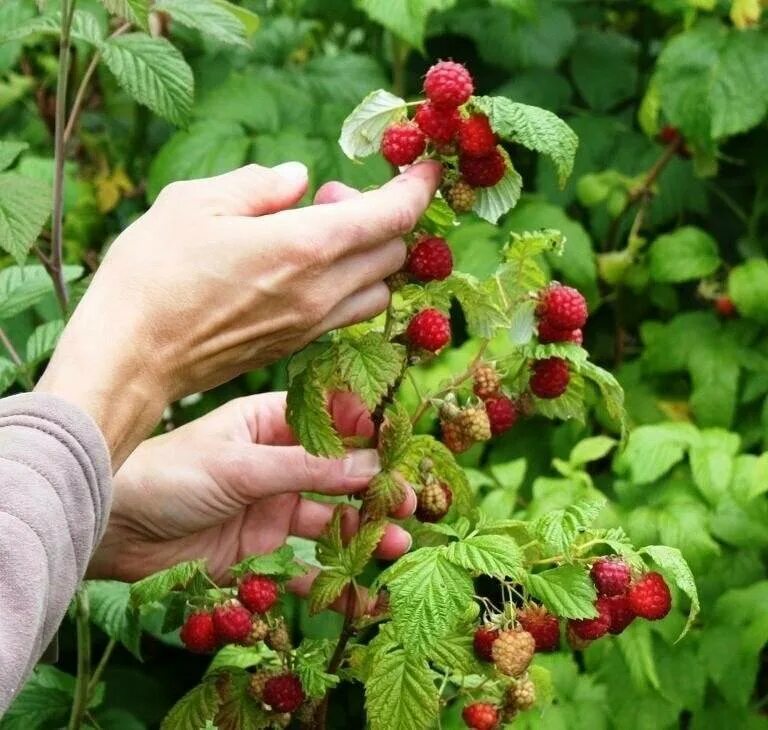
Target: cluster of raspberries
<point>444,124</point>
<point>620,601</point>
<point>561,313</point>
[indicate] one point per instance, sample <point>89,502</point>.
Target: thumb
<point>248,191</point>
<point>256,471</point>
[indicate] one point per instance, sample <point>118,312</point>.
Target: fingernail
<point>295,172</point>
<point>362,463</point>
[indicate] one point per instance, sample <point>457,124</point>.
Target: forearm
<point>55,492</point>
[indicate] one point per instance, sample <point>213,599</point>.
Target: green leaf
<point>369,365</point>
<point>111,610</point>
<point>686,253</point>
<point>362,545</point>
<point>407,19</point>
<point>248,18</point>
<point>495,555</point>
<point>326,588</point>
<point>384,493</point>
<point>136,11</point>
<point>25,205</point>
<point>636,646</point>
<point>85,27</point>
<point>153,72</point>
<point>311,659</point>
<point>307,415</point>
<point>21,288</point>
<point>748,287</point>
<point>42,341</point>
<point>9,151</point>
<point>483,311</point>
<point>589,449</point>
<point>363,129</point>
<point>454,653</point>
<point>559,528</point>
<point>280,562</point>
<point>400,693</point>
<point>158,585</point>
<point>428,596</point>
<point>566,591</point>
<point>653,450</point>
<point>672,561</point>
<point>195,708</point>
<point>395,435</point>
<point>611,392</point>
<point>521,274</point>
<point>205,149</point>
<point>713,463</point>
<point>237,710</point>
<point>569,405</point>
<point>492,203</point>
<point>535,128</point>
<point>206,16</point>
<point>8,374</point>
<point>44,701</point>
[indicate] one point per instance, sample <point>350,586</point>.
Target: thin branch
<point>100,667</point>
<point>82,686</point>
<point>17,361</point>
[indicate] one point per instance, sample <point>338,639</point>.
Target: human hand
<point>220,277</point>
<point>230,485</point>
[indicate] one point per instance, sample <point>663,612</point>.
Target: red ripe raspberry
<point>725,307</point>
<point>439,124</point>
<point>483,642</point>
<point>550,377</point>
<point>402,143</point>
<point>502,413</point>
<point>549,334</point>
<point>649,597</point>
<point>232,622</point>
<point>593,628</point>
<point>485,171</point>
<point>258,593</point>
<point>198,634</point>
<point>433,502</point>
<point>611,576</point>
<point>283,693</point>
<point>481,716</point>
<point>430,259</point>
<point>542,625</point>
<point>430,330</point>
<point>448,84</point>
<point>475,136</point>
<point>487,381</point>
<point>622,614</point>
<point>563,307</point>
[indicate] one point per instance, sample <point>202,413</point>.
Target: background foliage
<point>651,258</point>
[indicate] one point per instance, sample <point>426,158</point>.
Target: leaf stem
<point>17,361</point>
<point>57,234</point>
<point>100,667</point>
<point>82,685</point>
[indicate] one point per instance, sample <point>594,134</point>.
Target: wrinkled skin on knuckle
<point>403,218</point>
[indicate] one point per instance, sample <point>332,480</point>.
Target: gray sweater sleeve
<point>55,492</point>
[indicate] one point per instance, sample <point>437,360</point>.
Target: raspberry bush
<point>571,375</point>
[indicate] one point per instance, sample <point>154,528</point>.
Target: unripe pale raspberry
<point>482,642</point>
<point>397,281</point>
<point>485,171</point>
<point>256,683</point>
<point>650,598</point>
<point>512,651</point>
<point>448,84</point>
<point>502,413</point>
<point>439,124</point>
<point>198,633</point>
<point>429,330</point>
<point>550,377</point>
<point>475,136</point>
<point>549,334</point>
<point>542,625</point>
<point>232,622</point>
<point>522,695</point>
<point>481,716</point>
<point>430,259</point>
<point>259,630</point>
<point>590,629</point>
<point>283,693</point>
<point>622,614</point>
<point>460,196</point>
<point>474,422</point>
<point>258,593</point>
<point>433,502</point>
<point>278,638</point>
<point>611,576</point>
<point>402,143</point>
<point>487,381</point>
<point>562,307</point>
<point>454,437</point>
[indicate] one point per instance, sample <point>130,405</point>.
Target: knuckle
<point>403,218</point>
